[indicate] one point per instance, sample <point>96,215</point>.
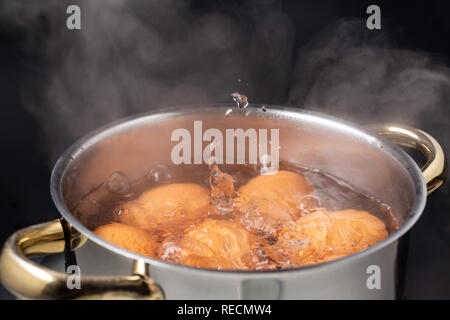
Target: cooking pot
<point>366,158</point>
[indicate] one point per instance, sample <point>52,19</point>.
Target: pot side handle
<point>435,168</point>
<point>29,280</point>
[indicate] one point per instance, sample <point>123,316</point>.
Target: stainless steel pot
<point>135,145</point>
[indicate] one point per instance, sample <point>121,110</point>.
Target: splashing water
<point>240,99</point>
<point>228,112</point>
<point>211,160</point>
<point>264,165</point>
<point>222,191</point>
<point>102,206</point>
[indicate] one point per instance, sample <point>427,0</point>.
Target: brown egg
<point>268,201</point>
<point>215,244</point>
<point>324,236</point>
<point>173,203</point>
<point>128,237</point>
<point>264,216</point>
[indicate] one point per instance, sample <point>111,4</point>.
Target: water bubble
<point>309,201</point>
<point>160,174</point>
<point>240,99</point>
<point>118,183</point>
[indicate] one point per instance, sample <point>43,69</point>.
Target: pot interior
<point>134,147</point>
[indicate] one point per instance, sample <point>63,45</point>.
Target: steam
<point>357,74</point>
<point>134,56</point>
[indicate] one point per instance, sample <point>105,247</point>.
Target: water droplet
<point>240,99</point>
<point>264,161</point>
<point>212,146</point>
<point>228,112</point>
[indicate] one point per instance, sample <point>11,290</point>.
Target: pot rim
<point>289,113</point>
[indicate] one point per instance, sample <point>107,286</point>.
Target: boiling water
<point>102,204</point>
<point>99,205</point>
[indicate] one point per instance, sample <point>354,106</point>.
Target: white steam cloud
<point>133,56</point>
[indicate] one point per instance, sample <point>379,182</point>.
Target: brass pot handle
<point>435,168</point>
<point>29,280</point>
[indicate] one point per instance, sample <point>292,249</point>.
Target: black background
<point>24,162</point>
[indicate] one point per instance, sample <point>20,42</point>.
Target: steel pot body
<point>361,158</point>
<point>353,279</point>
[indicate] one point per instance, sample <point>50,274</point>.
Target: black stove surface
<point>32,136</point>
